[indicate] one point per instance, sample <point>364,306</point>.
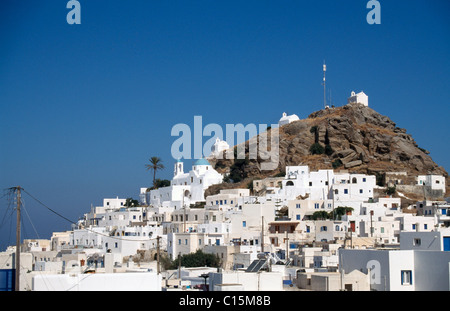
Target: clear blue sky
<point>83,107</point>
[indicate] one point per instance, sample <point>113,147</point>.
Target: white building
<point>432,240</point>
<point>360,98</point>
<point>286,119</point>
<point>246,281</point>
<point>186,188</point>
<point>436,182</point>
<point>130,281</point>
<point>400,270</point>
<point>218,148</point>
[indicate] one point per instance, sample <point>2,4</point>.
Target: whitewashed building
<point>360,98</point>
<point>286,119</point>
<point>186,188</point>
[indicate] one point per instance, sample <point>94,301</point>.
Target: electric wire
<point>87,229</point>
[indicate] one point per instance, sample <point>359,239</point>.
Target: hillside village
<point>302,228</point>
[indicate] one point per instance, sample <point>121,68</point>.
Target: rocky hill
<point>353,137</point>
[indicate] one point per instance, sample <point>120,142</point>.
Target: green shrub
<point>316,148</point>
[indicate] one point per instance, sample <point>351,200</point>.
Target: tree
<point>391,190</point>
<point>336,163</point>
<point>340,211</point>
<point>316,148</point>
<point>130,202</point>
<point>328,149</point>
<point>160,183</point>
<point>155,165</point>
<point>315,129</point>
<point>198,259</point>
<point>322,215</point>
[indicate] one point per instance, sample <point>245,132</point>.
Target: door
<point>352,226</point>
<point>447,243</point>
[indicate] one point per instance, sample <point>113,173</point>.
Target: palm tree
<point>155,165</point>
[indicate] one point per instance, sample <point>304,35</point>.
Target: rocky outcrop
<point>361,141</point>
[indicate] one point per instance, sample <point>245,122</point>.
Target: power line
<point>51,210</point>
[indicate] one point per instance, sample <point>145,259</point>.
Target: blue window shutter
<point>402,273</point>
<point>410,277</point>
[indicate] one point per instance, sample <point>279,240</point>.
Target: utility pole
<point>17,261</point>
<point>262,234</point>
<point>371,224</point>
<point>286,239</point>
<point>184,215</point>
<point>179,265</point>
<point>158,258</point>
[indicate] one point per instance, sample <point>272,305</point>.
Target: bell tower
<point>178,169</point>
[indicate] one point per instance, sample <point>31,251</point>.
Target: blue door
<point>447,243</point>
<point>7,279</point>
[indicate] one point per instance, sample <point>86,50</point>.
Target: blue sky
<point>83,107</point>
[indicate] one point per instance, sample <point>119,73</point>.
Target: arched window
<point>354,180</point>
<point>290,183</point>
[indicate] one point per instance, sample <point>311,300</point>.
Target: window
<point>382,229</point>
<point>360,191</point>
<point>316,205</point>
<point>298,217</point>
<point>221,202</point>
<point>414,226</point>
<point>185,241</point>
<point>425,226</point>
<point>195,217</point>
<point>310,183</point>
<point>406,277</point>
<point>116,245</point>
<point>364,179</point>
<point>217,202</point>
<point>444,211</point>
<point>179,241</point>
<point>297,205</point>
<point>323,228</point>
<point>199,241</point>
<point>417,242</point>
<point>345,191</point>
<point>336,191</point>
<point>244,224</point>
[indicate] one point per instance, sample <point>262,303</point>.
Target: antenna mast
<point>17,260</point>
<point>324,88</point>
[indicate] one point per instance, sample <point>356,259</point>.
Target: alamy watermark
<point>74,15</point>
<point>374,268</point>
<point>374,15</point>
<point>190,143</point>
